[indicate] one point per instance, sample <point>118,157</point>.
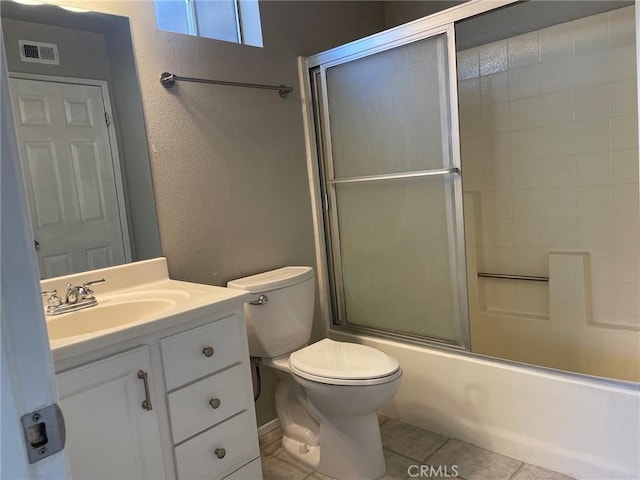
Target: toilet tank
<point>282,323</point>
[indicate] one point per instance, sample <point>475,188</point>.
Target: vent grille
<point>47,53</point>
<point>30,51</point>
<point>39,52</point>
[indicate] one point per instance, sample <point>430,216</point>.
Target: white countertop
<point>134,280</point>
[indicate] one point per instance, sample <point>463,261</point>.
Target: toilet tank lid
<point>272,280</point>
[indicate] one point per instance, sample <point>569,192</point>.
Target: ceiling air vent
<point>39,52</point>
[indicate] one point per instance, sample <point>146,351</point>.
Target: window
<point>236,21</point>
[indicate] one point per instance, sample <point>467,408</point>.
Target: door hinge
<point>327,205</point>
<point>106,119</point>
<point>44,432</point>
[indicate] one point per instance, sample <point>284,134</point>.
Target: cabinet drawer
<point>197,458</point>
<point>185,354</point>
<point>192,408</point>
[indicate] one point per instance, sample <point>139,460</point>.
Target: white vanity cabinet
<point>109,433</point>
<point>202,419</point>
<point>210,400</point>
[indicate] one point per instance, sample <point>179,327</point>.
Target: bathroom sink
<point>137,299</point>
<point>146,295</point>
<point>110,314</point>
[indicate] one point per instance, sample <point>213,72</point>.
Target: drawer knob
<point>220,452</point>
<point>208,351</point>
<point>214,402</point>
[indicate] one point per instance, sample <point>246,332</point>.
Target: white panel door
<point>109,434</point>
<point>69,174</point>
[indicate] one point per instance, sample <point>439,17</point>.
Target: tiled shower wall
<point>549,131</point>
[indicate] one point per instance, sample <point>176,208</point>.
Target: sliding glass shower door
<point>387,134</point>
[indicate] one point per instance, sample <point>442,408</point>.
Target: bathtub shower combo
<point>474,179</point>
<point>484,196</point>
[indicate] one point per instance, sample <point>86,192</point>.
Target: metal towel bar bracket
<point>513,277</point>
<point>168,80</point>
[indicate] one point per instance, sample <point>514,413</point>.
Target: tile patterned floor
<point>406,445</point>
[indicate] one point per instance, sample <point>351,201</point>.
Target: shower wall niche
<point>549,147</point>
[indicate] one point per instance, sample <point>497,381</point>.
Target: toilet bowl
<point>328,392</point>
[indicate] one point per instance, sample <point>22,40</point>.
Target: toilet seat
<point>342,363</point>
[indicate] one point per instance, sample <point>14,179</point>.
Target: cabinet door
<point>109,434</point>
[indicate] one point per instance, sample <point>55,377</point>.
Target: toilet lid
<point>328,359</point>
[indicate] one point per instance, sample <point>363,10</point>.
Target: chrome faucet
<point>76,298</point>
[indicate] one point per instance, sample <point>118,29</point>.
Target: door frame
<point>28,379</point>
<point>113,144</point>
<point>401,34</point>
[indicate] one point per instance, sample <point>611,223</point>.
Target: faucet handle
<point>54,300</point>
<point>88,290</point>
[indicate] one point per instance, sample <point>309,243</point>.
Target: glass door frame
<point>455,220</point>
<point>306,68</point>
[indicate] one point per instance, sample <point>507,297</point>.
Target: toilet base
<point>333,429</point>
<point>342,453</point>
<point>356,443</point>
<point>308,455</point>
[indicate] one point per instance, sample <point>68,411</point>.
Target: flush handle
<point>220,452</point>
<point>262,300</point>
<point>208,352</point>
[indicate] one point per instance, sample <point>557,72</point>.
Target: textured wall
<point>398,12</point>
<point>83,54</point>
<point>228,164</point>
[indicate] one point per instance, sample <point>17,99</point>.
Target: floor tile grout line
<point>268,445</point>
<point>308,474</point>
<point>517,471</point>
<point>264,448</point>
<point>436,450</point>
<point>403,455</point>
<point>272,441</point>
<point>400,454</point>
<point>481,448</point>
<point>292,462</point>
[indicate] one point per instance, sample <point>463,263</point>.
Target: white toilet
<point>329,391</point>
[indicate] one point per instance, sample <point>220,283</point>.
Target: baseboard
<point>267,427</point>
